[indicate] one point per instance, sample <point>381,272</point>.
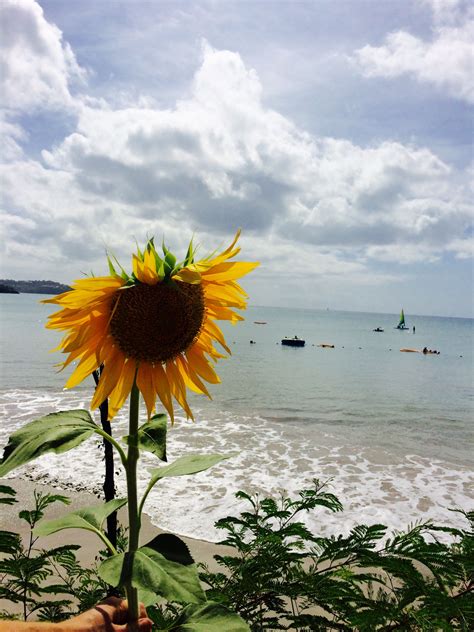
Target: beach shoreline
<point>201,550</point>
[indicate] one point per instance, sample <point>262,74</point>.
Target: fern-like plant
<point>284,577</point>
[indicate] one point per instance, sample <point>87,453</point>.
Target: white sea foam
<point>374,485</point>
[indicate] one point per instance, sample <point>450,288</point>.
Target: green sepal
<point>89,518</point>
<point>170,259</point>
<point>171,547</point>
<point>210,617</point>
<point>189,255</point>
<point>186,465</point>
<point>56,432</point>
<point>112,270</point>
<point>141,254</point>
<point>152,436</point>
<point>151,570</point>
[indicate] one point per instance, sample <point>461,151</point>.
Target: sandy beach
<point>201,550</point>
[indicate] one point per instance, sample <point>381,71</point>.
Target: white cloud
<point>446,61</point>
<point>36,66</point>
<point>221,159</point>
<point>447,11</point>
<point>11,135</point>
<point>462,248</point>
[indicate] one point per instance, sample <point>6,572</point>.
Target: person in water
<point>413,328</point>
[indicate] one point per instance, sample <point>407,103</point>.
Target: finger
<point>115,608</point>
<point>121,613</point>
<point>143,625</point>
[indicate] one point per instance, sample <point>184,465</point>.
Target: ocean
<point>391,432</point>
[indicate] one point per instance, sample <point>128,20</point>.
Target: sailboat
<point>401,324</point>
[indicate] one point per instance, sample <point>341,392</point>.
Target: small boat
<point>377,329</point>
<point>260,322</point>
<point>401,325</point>
<point>293,342</point>
<point>326,345</point>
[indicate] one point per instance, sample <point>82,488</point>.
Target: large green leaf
<point>188,465</point>
<point>89,518</point>
<point>56,432</point>
<point>171,547</point>
<point>152,436</point>
<point>153,572</point>
<point>210,617</point>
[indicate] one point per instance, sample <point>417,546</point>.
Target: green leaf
<point>188,465</point>
<point>89,518</point>
<point>153,572</point>
<point>171,547</point>
<point>9,542</point>
<point>152,436</point>
<point>9,491</point>
<point>56,432</point>
<point>210,617</point>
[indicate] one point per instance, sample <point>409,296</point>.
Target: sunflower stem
<point>133,517</point>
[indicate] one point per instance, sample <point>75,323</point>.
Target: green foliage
<point>280,575</point>
<point>30,576</point>
<point>56,432</point>
<point>152,436</point>
<point>152,571</point>
<point>89,518</point>
<point>186,465</point>
<point>25,571</point>
<point>9,498</point>
<point>283,577</point>
<point>208,617</point>
<point>171,547</point>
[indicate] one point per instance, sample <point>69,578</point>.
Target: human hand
<point>109,616</point>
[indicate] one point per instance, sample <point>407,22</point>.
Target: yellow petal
<point>178,387</point>
<point>110,375</point>
<point>188,275</point>
<point>145,271</point>
<point>215,331</point>
<point>229,270</point>
<point>145,386</point>
<point>202,367</point>
<point>122,390</point>
<point>162,388</point>
<point>190,377</point>
<point>88,364</point>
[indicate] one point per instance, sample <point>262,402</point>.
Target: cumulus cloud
<point>221,159</point>
<point>446,61</point>
<point>11,137</point>
<point>36,67</point>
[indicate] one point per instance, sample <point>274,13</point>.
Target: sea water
<point>391,432</point>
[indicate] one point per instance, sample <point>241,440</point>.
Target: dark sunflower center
<point>155,323</point>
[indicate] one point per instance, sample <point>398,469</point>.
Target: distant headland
<point>9,286</point>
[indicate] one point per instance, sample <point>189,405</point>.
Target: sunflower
<point>155,327</point>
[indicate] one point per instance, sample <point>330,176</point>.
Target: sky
<point>336,133</point>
